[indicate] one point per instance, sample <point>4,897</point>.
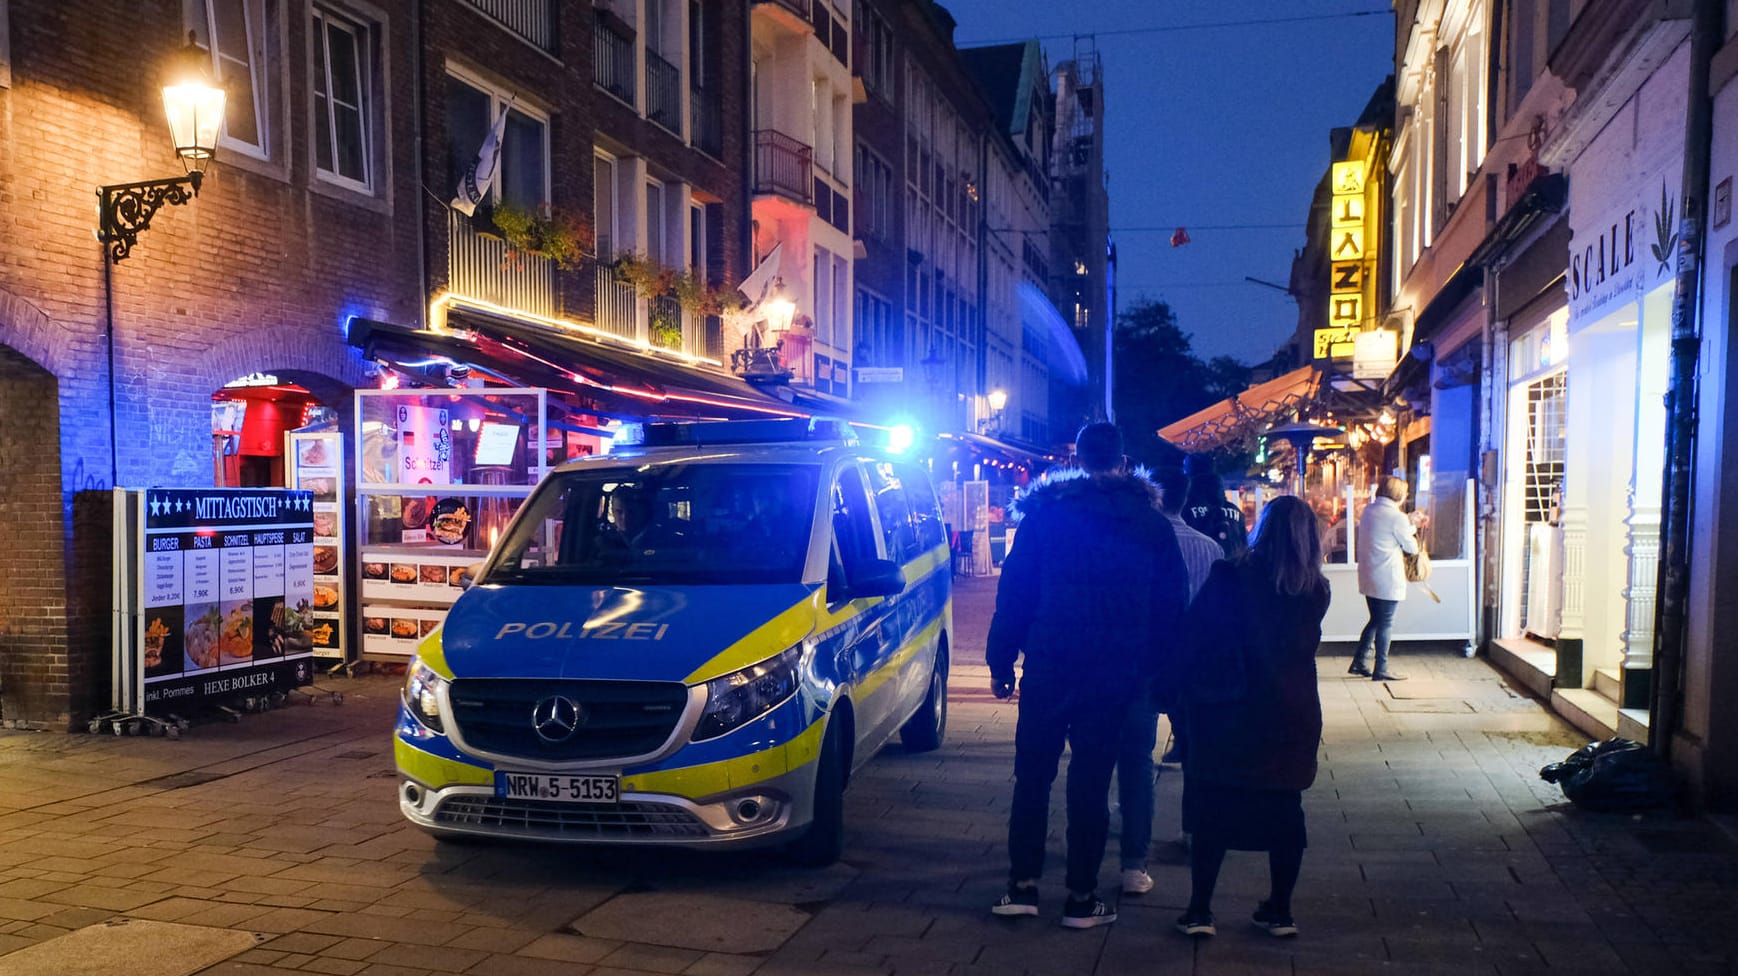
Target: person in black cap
<point>1208,511</point>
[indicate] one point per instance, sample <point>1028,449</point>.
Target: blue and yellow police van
<point>692,640</point>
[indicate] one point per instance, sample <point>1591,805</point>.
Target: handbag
<point>1417,566</point>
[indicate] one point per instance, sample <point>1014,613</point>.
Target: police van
<point>692,640</point>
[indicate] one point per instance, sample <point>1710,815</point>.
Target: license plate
<point>556,788</point>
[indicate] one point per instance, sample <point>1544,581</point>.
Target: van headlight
<point>422,695</point>
<point>743,696</point>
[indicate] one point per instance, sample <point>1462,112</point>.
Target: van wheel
<point>825,840</point>
<point>924,731</point>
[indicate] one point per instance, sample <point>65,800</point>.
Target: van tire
<point>824,842</point>
<point>926,728</point>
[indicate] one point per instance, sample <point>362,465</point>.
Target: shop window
<point>344,99</point>
<point>237,35</point>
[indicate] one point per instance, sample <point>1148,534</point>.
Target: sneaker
<point>1197,924</point>
<point>1136,881</point>
<point>1358,670</point>
<point>1277,924</point>
<point>1017,901</point>
<point>1086,913</point>
<point>1387,676</point>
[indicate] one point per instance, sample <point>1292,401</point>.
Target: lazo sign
<point>1348,259</point>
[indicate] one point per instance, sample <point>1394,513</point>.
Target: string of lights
<point>1174,28</point>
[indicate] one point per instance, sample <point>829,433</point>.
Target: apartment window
<point>697,240</point>
<point>823,280</point>
<point>472,108</point>
<point>841,303</point>
<point>343,99</point>
<point>655,222</point>
<point>874,181</point>
<point>234,33</point>
<point>877,63</point>
<point>603,205</point>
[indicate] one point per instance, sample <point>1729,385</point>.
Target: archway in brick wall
<point>34,679</point>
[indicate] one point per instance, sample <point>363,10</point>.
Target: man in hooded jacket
<point>1094,585</point>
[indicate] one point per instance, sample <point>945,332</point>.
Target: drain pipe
<point>1673,583</point>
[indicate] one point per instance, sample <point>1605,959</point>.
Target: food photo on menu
<point>325,560</point>
<point>376,625</point>
<point>404,628</point>
<point>374,570</point>
<point>204,636</point>
<point>323,489</point>
<point>323,632</point>
<point>287,632</point>
<point>236,635</point>
<point>163,643</point>
<point>436,575</point>
<point>325,596</point>
<point>428,627</point>
<point>313,454</point>
<point>404,572</point>
<point>326,525</point>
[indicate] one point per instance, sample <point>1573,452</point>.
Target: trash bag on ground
<point>1613,776</point>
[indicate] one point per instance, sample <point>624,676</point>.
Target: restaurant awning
<point>995,447</point>
<point>616,382</point>
<point>1244,415</point>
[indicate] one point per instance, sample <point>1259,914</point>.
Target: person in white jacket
<point>1385,533</point>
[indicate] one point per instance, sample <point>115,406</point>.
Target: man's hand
<point>1001,689</point>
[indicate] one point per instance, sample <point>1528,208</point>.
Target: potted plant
<point>544,232</point>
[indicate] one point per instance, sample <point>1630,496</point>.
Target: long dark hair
<point>1288,546</point>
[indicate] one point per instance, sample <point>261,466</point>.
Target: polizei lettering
<point>568,630</point>
<point>215,507</point>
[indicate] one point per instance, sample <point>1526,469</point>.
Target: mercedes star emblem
<point>556,718</point>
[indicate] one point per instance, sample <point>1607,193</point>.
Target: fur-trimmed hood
<point>1122,495</point>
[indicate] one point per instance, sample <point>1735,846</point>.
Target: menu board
<point>227,577</point>
<point>314,460</point>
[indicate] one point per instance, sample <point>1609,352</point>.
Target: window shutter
<point>1439,146</point>
<point>715,268</point>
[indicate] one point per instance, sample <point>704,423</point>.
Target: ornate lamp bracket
<point>127,209</point>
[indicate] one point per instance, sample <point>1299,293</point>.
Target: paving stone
<point>707,923</point>
<point>134,947</point>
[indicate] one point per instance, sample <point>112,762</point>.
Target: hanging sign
<point>226,594</point>
<point>1348,259</point>
<point>1374,354</point>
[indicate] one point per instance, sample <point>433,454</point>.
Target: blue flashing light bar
<point>794,430</point>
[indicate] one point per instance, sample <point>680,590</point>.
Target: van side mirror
<point>877,577</point>
<point>468,575</point>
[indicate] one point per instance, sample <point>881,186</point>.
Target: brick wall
<point>33,678</point>
<point>259,273</point>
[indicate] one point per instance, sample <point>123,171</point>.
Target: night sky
<point>1206,127</point>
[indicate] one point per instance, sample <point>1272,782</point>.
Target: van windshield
<point>664,525</point>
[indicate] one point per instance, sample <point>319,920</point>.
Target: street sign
<point>880,374</point>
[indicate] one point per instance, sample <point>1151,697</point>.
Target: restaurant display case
<point>439,473</point>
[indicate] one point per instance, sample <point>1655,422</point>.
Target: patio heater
<point>1300,436</point>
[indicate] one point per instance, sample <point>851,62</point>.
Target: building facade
<point>322,254</point>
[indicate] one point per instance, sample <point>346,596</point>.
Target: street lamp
<point>193,106</point>
<point>998,400</point>
<point>779,309</point>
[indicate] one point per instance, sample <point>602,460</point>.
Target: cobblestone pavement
<point>275,845</point>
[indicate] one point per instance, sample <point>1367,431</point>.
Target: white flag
<point>474,185</point>
<point>757,286</point>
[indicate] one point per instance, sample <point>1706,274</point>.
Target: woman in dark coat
<point>1248,689</point>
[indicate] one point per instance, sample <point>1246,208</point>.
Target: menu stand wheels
<point>128,723</point>
<point>230,715</point>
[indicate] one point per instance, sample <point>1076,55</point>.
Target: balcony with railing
<point>784,166</point>
<point>618,305</point>
<point>663,92</point>
<point>705,121</point>
<point>534,20</point>
<point>802,8</point>
<point>612,66</point>
<point>482,266</point>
